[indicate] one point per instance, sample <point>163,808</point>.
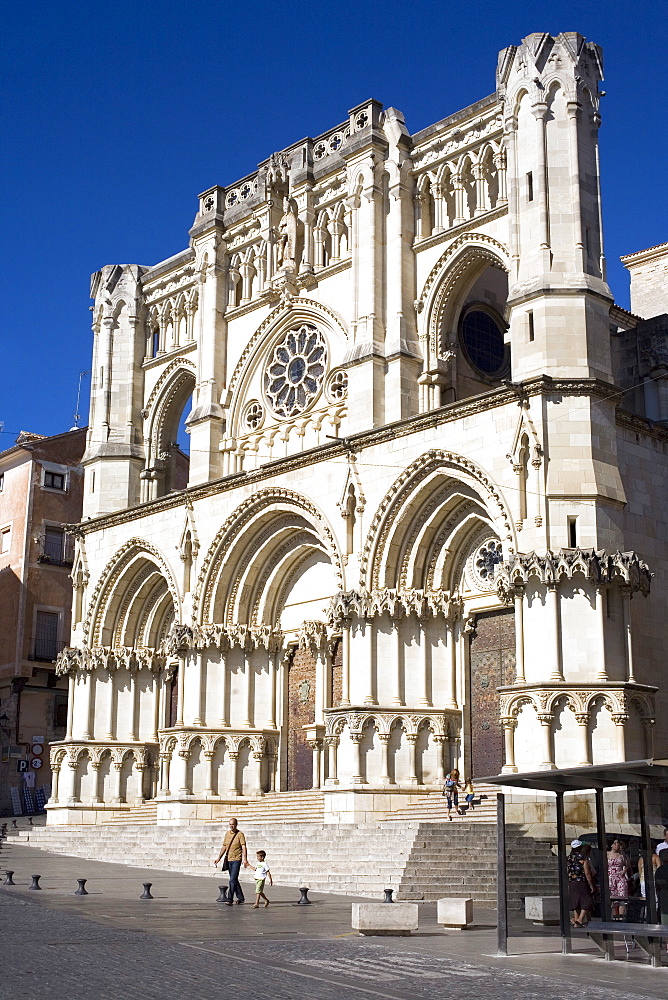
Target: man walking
<point>234,850</point>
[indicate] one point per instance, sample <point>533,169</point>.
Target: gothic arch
<point>430,495</point>
<point>163,411</point>
<point>136,597</point>
<point>247,568</point>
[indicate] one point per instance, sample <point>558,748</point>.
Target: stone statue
<point>286,243</point>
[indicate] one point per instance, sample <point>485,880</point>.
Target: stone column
<point>96,797</point>
<point>55,777</point>
<point>181,776</point>
<point>315,746</point>
<point>384,739</point>
<point>509,724</point>
<point>554,653</point>
<point>500,164</point>
<point>423,686</point>
<point>574,108</point>
<point>70,706</point>
<point>369,655</point>
<point>539,110</point>
<point>180,690</point>
<point>256,788</point>
<point>199,689</point>
<point>84,706</point>
<point>248,689</point>
<point>132,732</point>
<point>320,669</point>
<point>233,757</point>
<point>510,128</point>
<point>209,758</point>
<point>458,187</point>
<point>139,767</point>
<point>451,672</point>
<point>398,674</point>
<point>332,746</point>
<point>69,792</point>
<point>111,706</point>
<point>412,769</point>
<point>481,205</point>
<point>157,691</point>
<point>440,763</point>
<point>307,216</point>
<point>628,638</point>
<point>345,664</point>
<point>582,719</point>
<point>247,272</point>
<point>518,597</point>
<point>224,687</point>
<point>357,776</point>
<point>546,719</point>
<point>274,660</point>
<point>620,719</point>
<point>437,195</point>
<point>117,769</point>
<point>165,760</point>
<point>601,612</point>
<point>319,243</point>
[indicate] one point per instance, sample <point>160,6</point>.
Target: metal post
<point>564,912</point>
<point>501,891</point>
<point>648,871</point>
<point>604,882</point>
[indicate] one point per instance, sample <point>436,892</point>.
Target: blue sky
<point>116,115</point>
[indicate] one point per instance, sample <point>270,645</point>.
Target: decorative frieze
<point>72,660</point>
<point>397,603</point>
<point>600,568</point>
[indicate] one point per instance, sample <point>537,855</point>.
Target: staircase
<point>144,815</point>
<point>420,860</point>
<point>283,807</point>
<point>433,808</point>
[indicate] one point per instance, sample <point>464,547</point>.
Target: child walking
<point>262,873</point>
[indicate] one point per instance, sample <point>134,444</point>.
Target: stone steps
<point>419,860</point>
<point>433,807</point>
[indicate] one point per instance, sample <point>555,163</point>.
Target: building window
<point>54,480</point>
<point>55,547</point>
<point>530,186</point>
<point>60,712</point>
<point>5,540</point>
<point>572,532</point>
<point>2,481</point>
<point>482,337</point>
<point>532,331</point>
<point>45,647</point>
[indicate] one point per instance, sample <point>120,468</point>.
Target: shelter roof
<point>572,779</point>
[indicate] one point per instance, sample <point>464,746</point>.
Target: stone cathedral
<point>422,522</point>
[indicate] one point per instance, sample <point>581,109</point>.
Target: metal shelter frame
<point>638,774</point>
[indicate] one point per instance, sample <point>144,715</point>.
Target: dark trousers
<point>235,888</point>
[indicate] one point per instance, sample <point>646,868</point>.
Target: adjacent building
<point>41,490</point>
<point>425,515</point>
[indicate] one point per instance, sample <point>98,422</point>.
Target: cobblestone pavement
<point>111,946</point>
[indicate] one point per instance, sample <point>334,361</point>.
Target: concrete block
<point>455,914</point>
<point>397,919</point>
<point>542,909</point>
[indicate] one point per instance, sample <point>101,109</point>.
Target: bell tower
<point>558,297</point>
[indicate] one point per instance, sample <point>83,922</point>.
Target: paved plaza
<point>110,944</point>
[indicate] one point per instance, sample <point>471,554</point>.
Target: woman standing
<point>581,883</point>
<point>451,791</point>
<point>619,873</point>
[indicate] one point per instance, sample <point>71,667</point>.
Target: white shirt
<point>261,870</point>
<point>661,847</point>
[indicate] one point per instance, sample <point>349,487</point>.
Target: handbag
<point>225,867</point>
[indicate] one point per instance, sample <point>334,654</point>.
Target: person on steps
<point>469,794</point>
<point>451,791</point>
<point>234,852</point>
<point>261,874</point>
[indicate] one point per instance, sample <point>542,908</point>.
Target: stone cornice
<point>472,225</point>
<point>396,603</point>
<point>601,568</point>
<point>641,425</point>
<point>495,398</point>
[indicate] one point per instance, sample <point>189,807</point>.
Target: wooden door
<point>301,712</point>
<point>492,660</point>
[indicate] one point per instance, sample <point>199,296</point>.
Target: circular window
<point>483,563</point>
<point>294,375</point>
<point>482,336</point>
<point>253,415</point>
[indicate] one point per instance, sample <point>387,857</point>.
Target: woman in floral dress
<point>619,873</point>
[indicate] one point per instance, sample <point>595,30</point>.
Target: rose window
<point>295,373</point>
<point>487,559</point>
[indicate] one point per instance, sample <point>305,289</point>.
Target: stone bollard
<point>303,899</point>
<point>542,910</point>
<point>14,826</point>
<point>30,821</point>
<point>3,833</point>
<point>146,894</point>
<point>35,882</point>
<point>222,898</point>
<point>388,895</point>
<point>9,880</point>
<point>454,914</point>
<point>374,919</point>
<point>81,890</point>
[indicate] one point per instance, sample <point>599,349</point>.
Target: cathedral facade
<point>422,514</point>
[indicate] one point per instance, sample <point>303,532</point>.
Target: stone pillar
<point>180,690</point>
<point>574,108</point>
<point>224,687</point>
<point>601,613</point>
<point>384,739</point>
<point>111,706</point>
<point>117,769</point>
<point>165,761</point>
<point>519,635</point>
<point>132,731</point>
<point>320,683</point>
<point>96,797</point>
<point>412,771</point>
<point>398,673</point>
<point>546,719</point>
<point>55,777</point>
<point>357,776</point>
<point>69,791</point>
<point>437,195</point>
<point>210,768</point>
<point>423,684</point>
<point>181,773</point>
<point>84,705</point>
<point>628,638</point>
<point>315,746</point>
<point>256,786</point>
<point>459,200</point>
<point>233,757</point>
<point>451,671</point>
<point>369,655</point>
<point>582,719</point>
<point>554,639</point>
<point>247,272</point>
<point>139,767</point>
<point>89,733</point>
<point>199,689</point>
<point>70,706</point>
<point>274,661</point>
<point>539,110</point>
<point>620,719</point>
<point>440,762</point>
<point>248,689</point>
<point>332,746</point>
<point>345,664</point>
<point>500,164</point>
<point>509,724</point>
<point>481,205</point>
<point>157,692</point>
